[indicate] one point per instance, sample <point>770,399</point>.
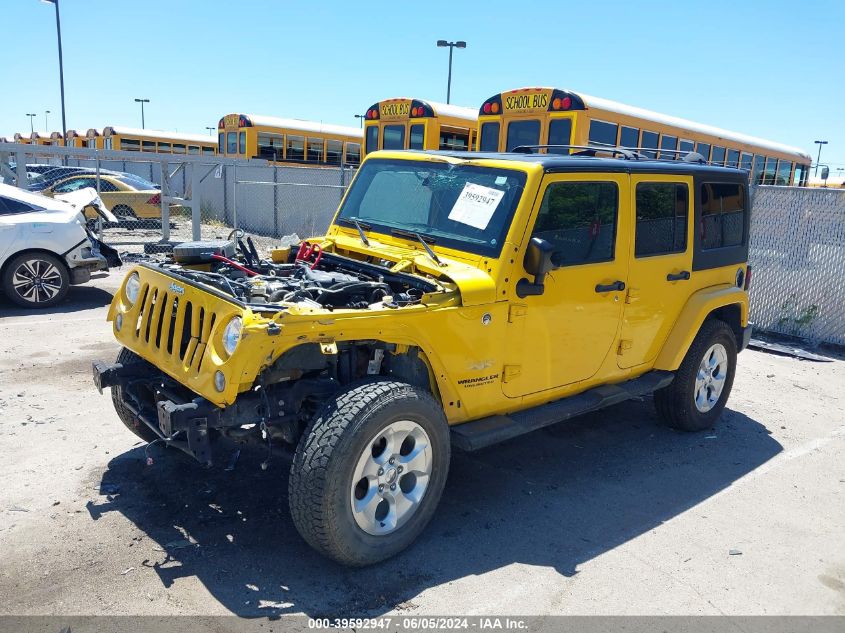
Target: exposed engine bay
<point>309,276</point>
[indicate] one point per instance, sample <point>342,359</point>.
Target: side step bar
<point>472,436</point>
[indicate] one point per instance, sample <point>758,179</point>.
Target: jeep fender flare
<point>698,308</point>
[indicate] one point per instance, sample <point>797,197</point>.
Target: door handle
<point>616,285</point>
<point>681,276</point>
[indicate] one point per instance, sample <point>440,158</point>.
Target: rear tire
<point>124,212</point>
<point>703,382</point>
<point>36,280</point>
<point>369,471</point>
<point>129,419</point>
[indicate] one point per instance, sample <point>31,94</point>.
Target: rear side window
<point>722,215</point>
<point>353,153</point>
<point>522,133</point>
<point>489,137</point>
<point>603,133</point>
<point>372,138</point>
<point>579,220</point>
<point>560,131</point>
<point>662,210</point>
<point>221,143</point>
<point>10,206</point>
<point>416,138</point>
<point>454,141</point>
<point>242,143</point>
<point>231,142</point>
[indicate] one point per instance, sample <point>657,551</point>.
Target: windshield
<point>465,207</point>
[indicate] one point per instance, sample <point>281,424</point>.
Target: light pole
<point>820,143</point>
<point>46,124</point>
<point>451,45</point>
<point>361,118</point>
<point>61,66</point>
<point>210,129</point>
<point>142,102</point>
<point>31,116</point>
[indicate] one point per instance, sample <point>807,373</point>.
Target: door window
<point>579,220</point>
<point>560,130</point>
<point>489,137</point>
<point>417,136</point>
<point>372,138</point>
<point>722,215</point>
<point>662,209</point>
<point>522,133</point>
<point>394,137</point>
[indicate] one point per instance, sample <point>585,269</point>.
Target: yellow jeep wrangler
<point>457,299</point>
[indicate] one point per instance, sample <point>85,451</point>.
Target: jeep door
<point>659,274</point>
<point>565,334</point>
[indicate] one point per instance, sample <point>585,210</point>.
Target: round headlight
<point>232,335</point>
<point>219,381</point>
<point>118,322</point>
<point>132,288</point>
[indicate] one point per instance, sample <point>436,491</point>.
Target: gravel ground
<point>609,514</point>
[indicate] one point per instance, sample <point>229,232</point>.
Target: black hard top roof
<point>553,163</point>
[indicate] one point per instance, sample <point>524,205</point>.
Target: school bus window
<point>164,147</point>
<point>733,158</point>
<point>686,146</point>
<point>334,151</point>
<point>522,133</point>
<point>353,153</point>
<point>800,171</point>
<point>489,137</point>
<point>603,133</point>
<point>718,156</point>
<point>579,219</point>
<point>629,136</point>
<point>178,148</point>
<point>770,171</point>
<point>759,168</point>
<point>231,142</point>
<point>722,215</point>
<point>784,171</point>
<point>372,139</point>
<point>242,143</point>
<point>193,149</point>
<point>704,150</point>
<point>745,161</point>
<point>454,141</point>
<point>93,143</point>
<point>560,132</point>
<point>649,143</point>
<point>271,146</point>
<point>148,146</point>
<point>394,137</point>
<point>669,143</point>
<point>296,148</point>
<point>416,137</point>
<point>208,150</point>
<point>221,143</point>
<point>130,144</point>
<point>661,218</point>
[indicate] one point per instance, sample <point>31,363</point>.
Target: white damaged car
<point>46,245</point>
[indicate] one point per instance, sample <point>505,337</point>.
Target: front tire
<point>129,419</point>
<point>369,471</point>
<point>703,382</point>
<point>36,280</point>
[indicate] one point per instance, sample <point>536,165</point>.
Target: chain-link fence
<point>798,263</point>
<point>153,196</point>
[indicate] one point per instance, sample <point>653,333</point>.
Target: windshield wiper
<point>360,226</point>
<point>422,241</point>
<point>361,234</point>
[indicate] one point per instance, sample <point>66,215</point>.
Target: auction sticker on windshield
<point>476,205</point>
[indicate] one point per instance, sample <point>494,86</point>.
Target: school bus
<point>74,138</point>
<point>135,140</point>
<point>93,139</point>
<point>555,117</point>
<point>22,138</point>
<point>42,138</point>
<point>288,140</point>
<point>406,123</point>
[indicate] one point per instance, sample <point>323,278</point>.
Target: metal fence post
<point>165,206</point>
<point>276,201</point>
<point>235,195</point>
<point>97,167</point>
<point>20,170</point>
<point>196,202</point>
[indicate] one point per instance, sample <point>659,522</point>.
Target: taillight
<point>748,277</point>
<point>561,103</point>
<point>156,199</point>
<point>493,105</point>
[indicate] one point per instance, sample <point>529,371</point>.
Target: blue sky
<point>768,68</point>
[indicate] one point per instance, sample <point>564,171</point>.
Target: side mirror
<point>825,173</point>
<point>538,262</point>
